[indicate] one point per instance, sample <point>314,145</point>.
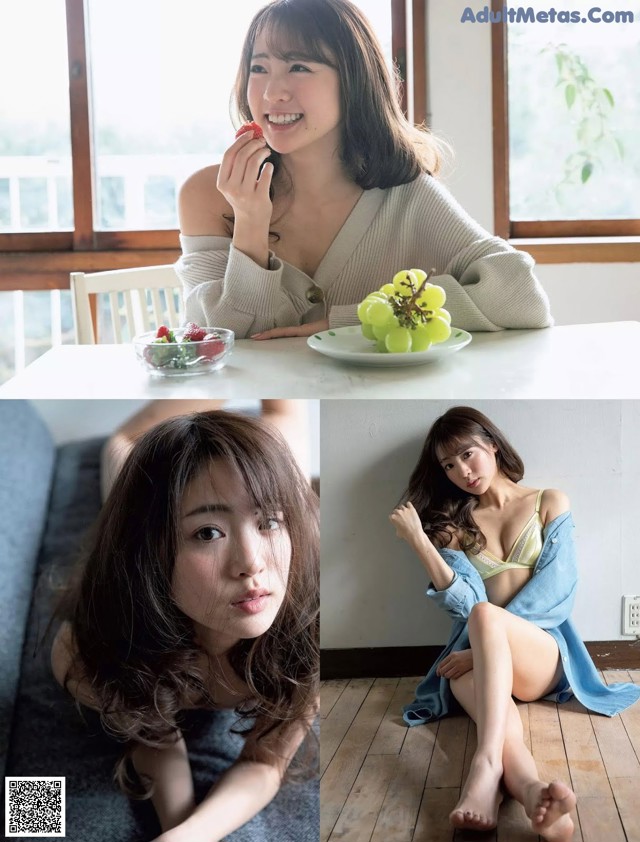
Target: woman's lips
<point>473,484</point>
<point>253,604</point>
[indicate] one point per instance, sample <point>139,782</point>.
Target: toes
<point>457,818</point>
<point>560,792</point>
<point>467,819</point>
<point>563,796</point>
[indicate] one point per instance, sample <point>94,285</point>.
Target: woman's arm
<point>244,789</point>
<point>168,768</point>
<point>489,284</point>
<point>170,772</point>
<point>67,669</point>
<point>236,189</point>
<point>225,282</point>
<point>409,528</point>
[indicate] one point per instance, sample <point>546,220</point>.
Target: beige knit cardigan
<point>489,285</point>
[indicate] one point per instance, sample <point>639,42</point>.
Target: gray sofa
<point>48,499</point>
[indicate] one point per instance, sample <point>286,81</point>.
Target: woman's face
<point>471,465</point>
<point>296,102</point>
<point>232,567</point>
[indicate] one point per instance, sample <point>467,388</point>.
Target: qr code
<point>34,807</point>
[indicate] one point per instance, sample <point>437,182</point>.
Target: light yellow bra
<point>524,552</point>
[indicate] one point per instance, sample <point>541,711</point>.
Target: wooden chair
<point>137,300</point>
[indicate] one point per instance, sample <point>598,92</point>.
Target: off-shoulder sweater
<point>489,285</point>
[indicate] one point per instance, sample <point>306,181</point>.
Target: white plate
<point>348,344</point>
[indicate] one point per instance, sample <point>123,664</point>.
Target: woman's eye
<point>209,533</point>
<point>299,68</point>
<point>257,68</point>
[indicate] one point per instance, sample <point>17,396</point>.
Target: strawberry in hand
<point>250,127</point>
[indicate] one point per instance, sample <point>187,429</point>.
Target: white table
<point>573,361</point>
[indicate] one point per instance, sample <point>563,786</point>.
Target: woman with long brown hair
<point>200,590</point>
<point>501,561</point>
<point>331,192</point>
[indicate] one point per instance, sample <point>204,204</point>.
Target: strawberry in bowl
<point>188,350</point>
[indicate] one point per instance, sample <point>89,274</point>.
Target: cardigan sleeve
<point>342,315</point>
<point>224,288</point>
<point>489,284</point>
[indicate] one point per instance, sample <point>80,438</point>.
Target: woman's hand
<point>170,836</point>
<point>180,834</point>
<point>295,330</point>
<point>239,183</point>
<point>409,528</point>
<point>455,664</point>
<point>407,523</point>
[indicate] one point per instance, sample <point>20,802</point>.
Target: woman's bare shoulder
<point>201,206</point>
<point>67,668</point>
<point>552,504</point>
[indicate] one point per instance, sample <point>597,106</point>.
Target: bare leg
<point>290,417</point>
<point>533,665</point>
<point>118,447</point>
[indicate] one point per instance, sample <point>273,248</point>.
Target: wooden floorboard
<point>330,692</point>
<point>344,767</point>
<point>384,782</point>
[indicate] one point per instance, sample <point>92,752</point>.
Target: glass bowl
<point>180,359</point>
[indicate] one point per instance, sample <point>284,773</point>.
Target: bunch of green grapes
<point>406,314</point>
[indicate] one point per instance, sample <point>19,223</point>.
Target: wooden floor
<point>383,782</point>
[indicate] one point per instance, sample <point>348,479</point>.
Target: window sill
<point>580,249</point>
<point>50,270</point>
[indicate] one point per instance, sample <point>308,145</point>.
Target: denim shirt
<point>546,600</point>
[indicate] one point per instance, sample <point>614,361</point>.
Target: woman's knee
<point>483,614</point>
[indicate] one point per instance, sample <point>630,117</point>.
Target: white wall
<point>372,585</point>
<point>459,99</point>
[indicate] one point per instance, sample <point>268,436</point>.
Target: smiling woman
<point>295,227</point>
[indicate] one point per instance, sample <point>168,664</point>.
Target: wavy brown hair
<point>379,146</point>
<point>135,648</point>
<point>444,509</point>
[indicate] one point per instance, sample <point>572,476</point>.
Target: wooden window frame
<point>550,241</point>
<point>43,260</point>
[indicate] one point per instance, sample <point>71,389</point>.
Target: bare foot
<point>481,797</point>
<point>548,807</point>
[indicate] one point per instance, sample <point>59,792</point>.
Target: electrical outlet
<point>631,615</point>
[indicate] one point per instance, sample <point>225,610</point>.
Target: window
<point>35,135</point>
<point>567,117</point>
<point>152,108</point>
<point>111,106</point>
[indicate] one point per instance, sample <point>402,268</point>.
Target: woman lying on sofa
<point>200,591</point>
